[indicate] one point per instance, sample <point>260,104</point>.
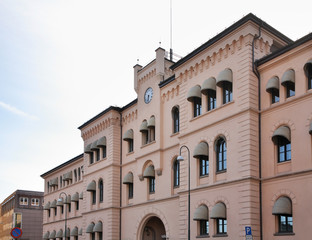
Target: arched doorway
<point>154,229</point>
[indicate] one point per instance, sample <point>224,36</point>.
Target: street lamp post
<point>60,199</point>
<point>180,158</point>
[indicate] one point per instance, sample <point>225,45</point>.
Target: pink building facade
<point>215,142</point>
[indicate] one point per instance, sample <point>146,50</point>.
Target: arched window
<point>144,131</point>
<point>221,154</point>
<point>176,119</point>
<point>201,215</point>
<point>281,138</point>
<point>224,80</point>
<point>272,87</point>
<point>194,96</point>
<point>282,209</point>
<point>209,89</point>
<point>218,213</point>
<point>201,153</point>
<point>288,81</point>
<point>128,180</point>
<point>308,72</point>
<point>101,190</point>
<point>128,137</point>
<point>176,173</point>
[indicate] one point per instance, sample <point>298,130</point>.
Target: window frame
<point>101,190</point>
<point>130,190</point>
<point>176,173</point>
<point>203,166</point>
<point>36,202</point>
<point>221,147</point>
<point>275,98</point>
<point>151,184</point>
<point>104,151</point>
<point>203,227</point>
<point>211,104</point>
<point>176,119</point>
<point>290,90</point>
<point>227,92</point>
<point>287,221</point>
<point>197,107</point>
<point>282,143</point>
<point>221,223</point>
<point>23,201</point>
<point>309,76</point>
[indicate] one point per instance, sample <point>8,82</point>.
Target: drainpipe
<point>120,177</point>
<point>256,72</point>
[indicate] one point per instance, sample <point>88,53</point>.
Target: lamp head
<point>180,158</point>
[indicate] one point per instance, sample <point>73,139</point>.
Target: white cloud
<point>16,111</point>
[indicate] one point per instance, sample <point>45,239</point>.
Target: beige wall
<point>243,188</point>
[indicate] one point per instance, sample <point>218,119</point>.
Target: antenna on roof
<point>171,52</point>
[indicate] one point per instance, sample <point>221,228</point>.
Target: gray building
<point>22,209</point>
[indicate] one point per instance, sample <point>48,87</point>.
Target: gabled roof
<point>249,17</point>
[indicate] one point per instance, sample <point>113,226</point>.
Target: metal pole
<point>65,213</point>
<point>189,192</point>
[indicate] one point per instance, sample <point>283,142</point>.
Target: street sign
<point>248,231</point>
<point>16,232</point>
<point>249,237</point>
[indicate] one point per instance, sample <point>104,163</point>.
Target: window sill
<point>220,172</point>
<point>284,234</point>
<point>220,235</point>
<point>147,144</point>
<point>204,176</point>
<point>174,134</point>
<point>203,236</point>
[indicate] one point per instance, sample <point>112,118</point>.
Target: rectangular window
<point>93,236</point>
<point>212,101</point>
<point>274,95</point>
<point>35,202</point>
<point>221,226</point>
<point>285,223</point>
<point>104,151</point>
<point>284,151</point>
<point>203,227</point>
<point>49,213</point>
<point>227,92</point>
<point>91,157</point>
<point>24,201</point>
<point>197,107</point>
<point>204,166</point>
<point>62,209</point>
<point>310,78</point>
<point>130,145</point>
<point>17,220</point>
<point>290,90</point>
<point>151,185</point>
<point>77,205</point>
<point>69,207</point>
<point>55,211</point>
<point>97,154</point>
<point>93,197</point>
<point>130,186</point>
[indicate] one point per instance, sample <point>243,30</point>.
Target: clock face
<point>148,95</point>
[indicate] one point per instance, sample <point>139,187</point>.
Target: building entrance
<point>154,229</point>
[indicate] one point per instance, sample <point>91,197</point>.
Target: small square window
<point>23,201</point>
<point>35,202</point>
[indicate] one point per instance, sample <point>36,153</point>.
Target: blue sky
<point>64,61</point>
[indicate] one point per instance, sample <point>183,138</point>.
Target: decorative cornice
<point>131,116</point>
<point>101,126</point>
